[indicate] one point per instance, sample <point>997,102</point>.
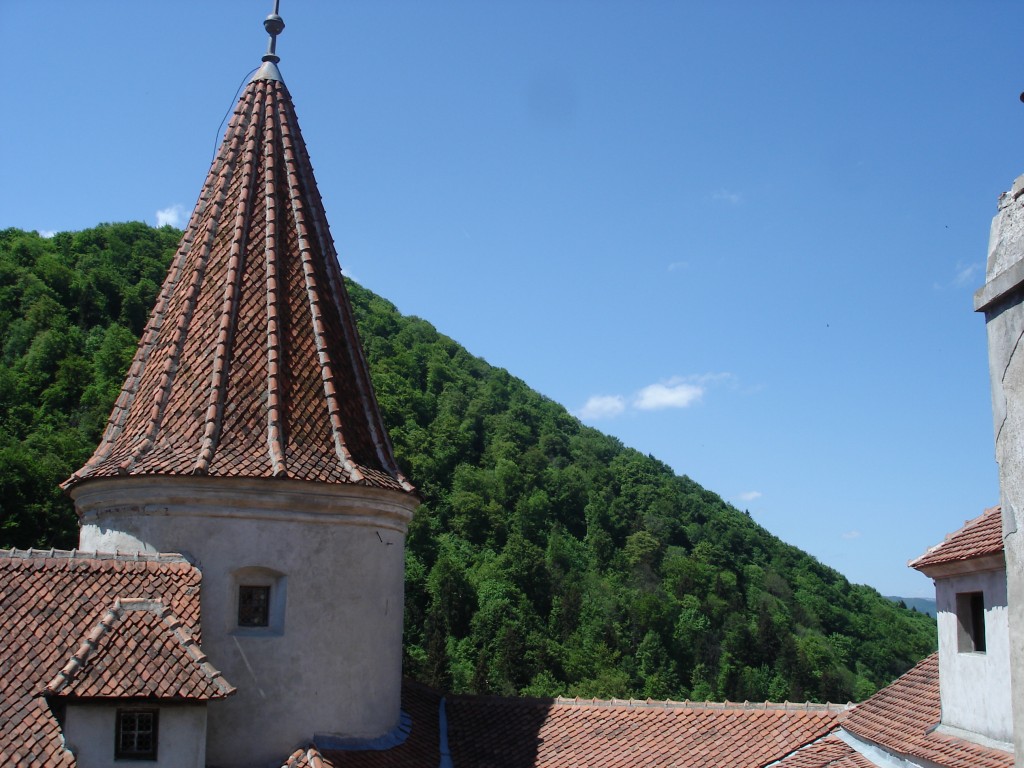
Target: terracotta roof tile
<point>978,537</point>
<point>544,733</point>
<point>139,648</point>
<point>49,602</point>
<point>829,752</point>
<point>902,716</point>
<point>548,733</point>
<point>250,365</point>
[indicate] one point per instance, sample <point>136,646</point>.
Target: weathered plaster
<point>974,687</point>
<point>89,730</point>
<point>1001,300</point>
<point>333,665</point>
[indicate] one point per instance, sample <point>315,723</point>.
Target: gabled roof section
<point>139,649</point>
<point>902,718</point>
<point>250,365</point>
<point>981,537</point>
<point>49,601</point>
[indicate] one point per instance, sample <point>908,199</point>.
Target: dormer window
<point>970,618</point>
<point>136,734</point>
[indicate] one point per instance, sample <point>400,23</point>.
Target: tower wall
<point>1002,300</point>
<point>329,660</point>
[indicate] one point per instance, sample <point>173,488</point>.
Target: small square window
<point>136,734</point>
<point>253,606</point>
<point>970,619</point>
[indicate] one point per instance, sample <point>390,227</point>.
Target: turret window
<point>259,595</point>
<point>970,619</point>
<point>253,606</point>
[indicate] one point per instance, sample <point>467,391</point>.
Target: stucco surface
<point>1001,300</point>
<point>974,687</point>
<point>334,663</point>
<point>90,731</point>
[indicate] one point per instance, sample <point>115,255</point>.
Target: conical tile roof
<point>250,365</point>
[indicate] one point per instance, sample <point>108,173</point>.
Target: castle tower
<point>1002,301</point>
<point>247,437</point>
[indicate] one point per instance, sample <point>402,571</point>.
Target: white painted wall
<point>89,731</point>
<point>975,687</point>
<point>334,665</point>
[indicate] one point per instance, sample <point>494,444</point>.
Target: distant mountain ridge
<point>547,558</point>
<point>925,605</point>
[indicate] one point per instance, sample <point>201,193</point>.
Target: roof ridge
<point>111,618</point>
<point>787,706</point>
<point>564,701</point>
<point>79,554</point>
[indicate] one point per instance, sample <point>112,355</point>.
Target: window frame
<point>970,622</point>
<point>120,753</point>
<point>250,616</point>
<point>257,577</point>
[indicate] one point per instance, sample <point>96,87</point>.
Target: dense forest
<point>547,558</point>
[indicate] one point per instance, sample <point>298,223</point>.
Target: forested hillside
<point>547,558</point>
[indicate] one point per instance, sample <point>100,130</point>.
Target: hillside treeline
<point>547,558</point>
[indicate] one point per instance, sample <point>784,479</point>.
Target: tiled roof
<point>139,648</point>
<point>978,537</point>
<point>902,716</point>
<point>829,752</point>
<point>536,733</point>
<point>250,365</point>
<point>493,732</point>
<point>49,601</point>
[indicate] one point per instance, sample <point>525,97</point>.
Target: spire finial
<point>274,25</point>
<point>268,70</point>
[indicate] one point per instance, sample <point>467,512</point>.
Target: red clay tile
<point>902,716</point>
<point>251,365</point>
<point>49,602</point>
<point>978,537</point>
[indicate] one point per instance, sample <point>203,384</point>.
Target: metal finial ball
<point>274,24</point>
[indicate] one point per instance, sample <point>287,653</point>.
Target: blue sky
<point>742,237</point>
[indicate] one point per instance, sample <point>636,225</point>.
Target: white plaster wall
<point>975,687</point>
<point>89,730</point>
<point>336,666</point>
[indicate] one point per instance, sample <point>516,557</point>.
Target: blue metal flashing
<point>442,736</point>
<point>392,738</point>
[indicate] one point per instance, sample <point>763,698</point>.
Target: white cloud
<point>675,393</point>
<point>726,196</point>
<point>851,535</point>
<point>603,407</point>
<point>172,215</point>
<point>675,266</point>
<point>965,273</point>
<point>750,496</point>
